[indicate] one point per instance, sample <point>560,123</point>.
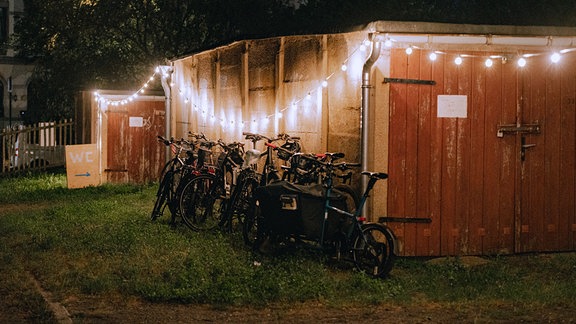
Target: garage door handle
<point>523,148</point>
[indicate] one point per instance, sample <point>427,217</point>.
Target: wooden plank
<point>553,157</point>
<point>451,226</point>
<point>397,143</point>
<point>116,144</point>
<point>567,217</point>
<point>438,235</point>
<point>477,115</point>
<point>411,153</point>
<point>492,157</point>
<point>533,188</point>
<point>463,158</point>
<point>509,158</point>
<point>428,235</point>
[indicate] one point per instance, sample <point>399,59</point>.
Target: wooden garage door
<point>133,152</point>
<point>500,180</point>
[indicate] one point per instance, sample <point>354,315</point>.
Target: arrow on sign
<point>87,174</point>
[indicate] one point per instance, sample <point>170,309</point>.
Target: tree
<point>89,44</point>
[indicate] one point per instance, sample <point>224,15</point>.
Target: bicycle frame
<point>356,216</point>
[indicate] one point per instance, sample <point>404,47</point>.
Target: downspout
<point>166,77</point>
<point>364,122</point>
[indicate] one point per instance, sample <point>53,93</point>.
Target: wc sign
<point>82,165</point>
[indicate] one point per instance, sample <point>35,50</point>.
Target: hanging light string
<point>123,100</point>
<point>362,47</point>
<point>521,59</point>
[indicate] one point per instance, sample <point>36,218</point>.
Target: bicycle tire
<point>179,174</point>
<point>373,250</point>
<point>201,202</point>
<point>164,195</point>
<point>161,197</point>
<point>240,202</point>
<point>250,226</point>
<point>249,211</point>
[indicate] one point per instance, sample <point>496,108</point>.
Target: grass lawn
<point>99,241</point>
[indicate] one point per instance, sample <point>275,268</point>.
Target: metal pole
<point>10,101</point>
<point>364,123</point>
<point>166,71</point>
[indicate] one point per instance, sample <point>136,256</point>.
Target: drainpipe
<point>166,71</point>
<point>364,123</point>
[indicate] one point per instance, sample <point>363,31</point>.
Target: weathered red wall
<point>481,196</point>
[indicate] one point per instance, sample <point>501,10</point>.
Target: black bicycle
<point>240,203</point>
<point>204,194</point>
<point>173,171</point>
<point>302,169</point>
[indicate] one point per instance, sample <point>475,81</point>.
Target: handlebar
<point>327,160</point>
<point>258,137</point>
<point>254,137</point>
<point>172,141</point>
<point>176,146</point>
<point>197,136</point>
<point>230,146</point>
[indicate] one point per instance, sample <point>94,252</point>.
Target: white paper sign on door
<point>452,106</point>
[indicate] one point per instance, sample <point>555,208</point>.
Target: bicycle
<point>172,172</point>
<point>204,194</point>
<point>316,214</point>
<point>302,170</point>
<point>248,179</point>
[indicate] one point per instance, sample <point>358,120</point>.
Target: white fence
<point>38,146</point>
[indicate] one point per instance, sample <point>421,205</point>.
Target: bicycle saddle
<point>379,175</point>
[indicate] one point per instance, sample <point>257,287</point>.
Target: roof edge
<point>384,26</point>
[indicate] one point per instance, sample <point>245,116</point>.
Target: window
<point>3,24</point>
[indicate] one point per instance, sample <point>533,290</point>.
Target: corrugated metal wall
<point>484,193</point>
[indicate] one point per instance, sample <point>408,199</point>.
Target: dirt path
<point>93,309</point>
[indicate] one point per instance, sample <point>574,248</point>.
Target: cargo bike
<point>316,214</point>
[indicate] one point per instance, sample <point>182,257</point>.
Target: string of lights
<point>344,66</point>
<point>490,60</point>
<point>129,98</point>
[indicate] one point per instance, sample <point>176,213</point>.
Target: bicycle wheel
<point>240,203</point>
<point>162,196</point>
<point>201,202</point>
<point>373,250</point>
<point>250,228</point>
<point>181,174</point>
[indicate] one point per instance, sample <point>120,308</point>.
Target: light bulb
<point>555,57</point>
<point>344,67</point>
<point>521,62</point>
<point>458,60</point>
<point>409,50</point>
<point>488,62</point>
<point>433,56</point>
